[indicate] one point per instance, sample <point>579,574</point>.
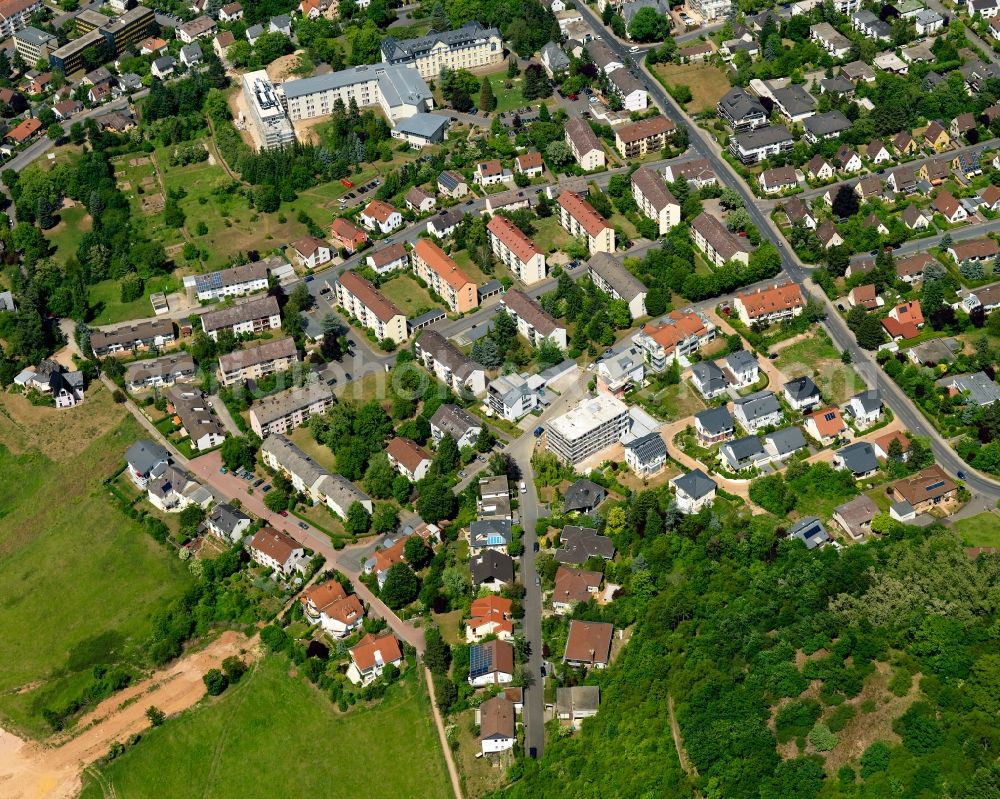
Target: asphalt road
<point>862,360</point>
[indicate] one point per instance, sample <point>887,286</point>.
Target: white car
<point>634,49</point>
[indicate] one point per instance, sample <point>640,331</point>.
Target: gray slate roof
<point>226,517</point>
<point>716,420</point>
<point>859,458</point>
<point>709,376</point>
<point>627,285</point>
<point>801,388</point>
<point>696,484</point>
<point>492,565</point>
<point>758,404</point>
<point>786,440</point>
<point>143,455</point>
<point>584,494</point>
<point>580,543</point>
<point>648,447</point>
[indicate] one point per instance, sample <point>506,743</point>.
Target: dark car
<point>266,488</point>
<point>469,202</point>
<point>310,278</point>
<point>960,474</point>
<point>347,375</point>
<point>303,525</point>
<point>331,381</point>
<point>257,483</point>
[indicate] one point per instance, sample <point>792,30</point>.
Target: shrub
<point>822,738</point>
<point>875,759</point>
<point>215,682</point>
<point>796,718</point>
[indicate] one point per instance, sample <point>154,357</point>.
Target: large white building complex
<point>469,47</point>
<point>595,424</point>
<point>266,112</point>
<point>398,90</point>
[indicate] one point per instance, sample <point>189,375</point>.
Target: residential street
<point>863,361</point>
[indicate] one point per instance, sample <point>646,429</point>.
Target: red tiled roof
<point>589,642</point>
<point>25,130</point>
<point>531,160</point>
<point>386,255</point>
<point>346,231</point>
<point>441,264</point>
<point>684,326</point>
<point>644,128</point>
<point>386,645</point>
<point>776,298</point>
<point>828,422</point>
<point>583,212</point>
<point>513,238</point>
<point>275,544</point>
<point>572,584</point>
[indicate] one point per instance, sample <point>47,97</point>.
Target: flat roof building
<point>594,424</point>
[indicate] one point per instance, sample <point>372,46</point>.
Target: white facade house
<point>693,491</point>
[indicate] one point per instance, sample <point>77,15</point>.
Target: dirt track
<point>31,770</point>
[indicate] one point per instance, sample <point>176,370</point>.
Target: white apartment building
<point>470,47</point>
<point>370,307</point>
<point>711,10</point>
<point>513,396</point>
<point>511,246</point>
<point>532,321</point>
<point>654,199</point>
<point>584,144</point>
<point>593,425</point>
<point>447,363</point>
<point>270,122</point>
<point>311,479</point>
<point>398,90</point>
<point>16,15</point>
<point>247,318</point>
<point>233,282</point>
<point>616,281</point>
<point>289,409</point>
<point>254,363</point>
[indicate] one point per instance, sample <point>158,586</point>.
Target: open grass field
<point>107,307</point>
<point>79,581</point>
<point>817,357</point>
<point>275,736</point>
<point>706,82</point>
<point>408,295</point>
<point>981,530</point>
<point>73,223</point>
<point>476,275</point>
<point>303,439</point>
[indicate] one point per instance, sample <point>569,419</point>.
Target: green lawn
<point>408,295</point>
<point>817,357</point>
<point>981,530</point>
<point>79,581</point>
<point>73,224</point>
<point>107,307</point>
<point>275,736</point>
<point>507,99</point>
<point>550,235</point>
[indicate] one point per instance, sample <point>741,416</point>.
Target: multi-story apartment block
<point>594,424</point>
<point>447,363</point>
<point>370,307</point>
<point>638,139</point>
<point>513,396</point>
<point>532,321</point>
<point>753,146</point>
<point>769,305</point>
<point>584,144</point>
<point>470,47</point>
<point>283,412</point>
<point>579,218</point>
<point>270,122</point>
<point>311,479</point>
<point>254,363</point>
<point>654,199</point>
<point>233,282</point>
<point>16,15</point>
<point>511,246</point>
<point>163,371</point>
<point>677,335</point>
<point>140,336</point>
<point>247,318</point>
<point>443,276</point>
<point>719,245</point>
<point>616,281</point>
<point>711,9</point>
<point>399,90</point>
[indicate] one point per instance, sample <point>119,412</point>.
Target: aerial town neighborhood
<point>536,399</point>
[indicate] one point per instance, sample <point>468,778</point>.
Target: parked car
<point>303,525</point>
<point>284,513</point>
<point>266,488</point>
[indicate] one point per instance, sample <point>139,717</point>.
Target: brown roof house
<point>408,458</point>
<point>855,517</point>
<point>497,725</point>
<point>922,491</point>
<point>278,551</point>
<point>574,586</point>
<point>588,644</point>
